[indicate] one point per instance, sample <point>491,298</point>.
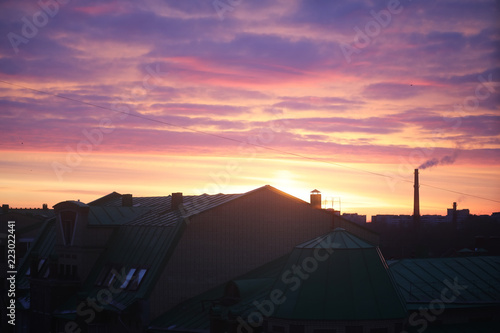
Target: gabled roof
<point>423,280</point>
<point>107,198</point>
<point>346,279</point>
<point>160,212</point>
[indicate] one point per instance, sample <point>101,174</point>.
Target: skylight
<point>128,278</point>
<point>136,281</point>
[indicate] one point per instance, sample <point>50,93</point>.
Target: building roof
<point>353,283</point>
<point>193,314</point>
<point>106,216</point>
<point>135,253</point>
<point>43,247</point>
<point>349,282</point>
<point>423,280</point>
<point>336,240</point>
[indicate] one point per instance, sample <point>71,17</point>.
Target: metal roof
<point>106,216</point>
<point>423,280</point>
<point>43,246</point>
<point>352,282</point>
<point>132,246</point>
<point>192,205</point>
<point>336,240</point>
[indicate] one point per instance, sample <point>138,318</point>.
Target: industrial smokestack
<point>454,216</point>
<point>416,202</point>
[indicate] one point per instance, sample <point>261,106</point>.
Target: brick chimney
<point>45,207</point>
<point>5,208</point>
<point>127,200</point>
<point>316,199</point>
<point>176,200</point>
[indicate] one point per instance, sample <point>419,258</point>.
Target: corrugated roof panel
<point>422,280</point>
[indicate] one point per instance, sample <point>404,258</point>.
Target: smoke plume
<point>445,160</point>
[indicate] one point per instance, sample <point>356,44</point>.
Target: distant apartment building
<point>354,217</point>
<point>453,216</point>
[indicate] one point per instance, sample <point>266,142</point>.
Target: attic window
<point>137,279</point>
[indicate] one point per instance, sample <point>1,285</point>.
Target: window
<point>68,220</point>
<point>137,279</point>
<point>128,278</point>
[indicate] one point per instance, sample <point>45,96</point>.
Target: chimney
<point>45,207</point>
<point>127,200</point>
<point>5,208</point>
<point>454,216</point>
<point>416,202</point>
<point>316,199</point>
<point>176,200</point>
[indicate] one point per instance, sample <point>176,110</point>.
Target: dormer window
<point>68,220</point>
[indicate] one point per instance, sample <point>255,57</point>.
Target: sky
<point>348,97</point>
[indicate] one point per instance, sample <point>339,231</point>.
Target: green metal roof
<point>423,280</point>
<point>351,283</point>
